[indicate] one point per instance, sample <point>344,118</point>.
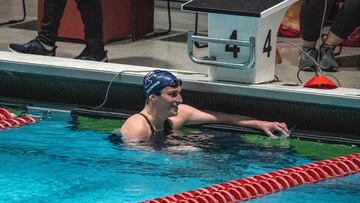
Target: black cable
<point>317,69</point>
<point>298,76</point>
<point>276,79</point>
<point>17,21</point>
<point>338,82</point>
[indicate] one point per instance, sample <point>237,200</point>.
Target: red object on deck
<point>285,31</point>
<point>7,121</point>
<point>121,19</point>
<point>320,82</point>
<point>257,186</point>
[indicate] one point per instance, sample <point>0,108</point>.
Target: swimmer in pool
<point>164,111</point>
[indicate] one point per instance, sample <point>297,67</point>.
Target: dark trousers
<point>91,15</point>
<point>346,20</point>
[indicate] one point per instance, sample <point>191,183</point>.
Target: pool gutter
<point>15,67</point>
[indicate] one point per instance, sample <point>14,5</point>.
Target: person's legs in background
<point>310,27</point>
<point>91,14</point>
<point>44,43</point>
<point>347,19</point>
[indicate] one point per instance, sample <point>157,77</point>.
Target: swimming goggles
<point>175,83</point>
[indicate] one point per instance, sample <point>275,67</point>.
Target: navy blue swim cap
<point>156,80</point>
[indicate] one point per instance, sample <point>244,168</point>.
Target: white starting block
<point>241,37</point>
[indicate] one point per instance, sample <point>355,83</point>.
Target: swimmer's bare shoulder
<point>135,128</point>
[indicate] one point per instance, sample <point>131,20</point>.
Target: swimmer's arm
<point>190,115</point>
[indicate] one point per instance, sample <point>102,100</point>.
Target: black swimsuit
<point>167,126</point>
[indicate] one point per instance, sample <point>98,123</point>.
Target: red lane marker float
<point>256,186</point>
<point>7,121</point>
<point>5,113</point>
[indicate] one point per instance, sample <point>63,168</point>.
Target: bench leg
<point>158,34</point>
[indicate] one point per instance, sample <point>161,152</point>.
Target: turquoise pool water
<point>51,161</point>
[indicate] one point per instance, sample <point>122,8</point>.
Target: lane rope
<point>8,121</point>
<point>260,185</point>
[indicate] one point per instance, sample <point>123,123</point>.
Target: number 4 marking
<point>234,49</point>
<point>267,46</point>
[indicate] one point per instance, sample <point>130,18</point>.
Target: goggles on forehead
<point>175,83</point>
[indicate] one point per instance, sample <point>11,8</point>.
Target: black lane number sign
<point>267,48</point>
<point>234,49</point>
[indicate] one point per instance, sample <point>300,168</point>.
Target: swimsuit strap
<point>168,126</point>
<point>153,131</point>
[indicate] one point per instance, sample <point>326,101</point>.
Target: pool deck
<point>169,51</point>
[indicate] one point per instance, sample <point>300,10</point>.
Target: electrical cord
<point>133,71</point>
<point>17,21</point>
<point>298,76</point>
<point>332,76</point>
<point>317,70</point>
<point>111,81</point>
<point>323,18</point>
<point>276,78</point>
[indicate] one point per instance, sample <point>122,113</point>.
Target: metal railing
<point>212,60</point>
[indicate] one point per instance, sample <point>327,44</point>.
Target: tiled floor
<point>161,51</point>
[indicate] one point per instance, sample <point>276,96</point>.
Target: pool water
<point>54,161</point>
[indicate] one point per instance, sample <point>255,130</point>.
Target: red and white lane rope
<point>8,121</point>
<point>257,186</point>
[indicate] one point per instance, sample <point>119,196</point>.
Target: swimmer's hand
<point>290,131</point>
<point>285,135</point>
<point>274,127</point>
